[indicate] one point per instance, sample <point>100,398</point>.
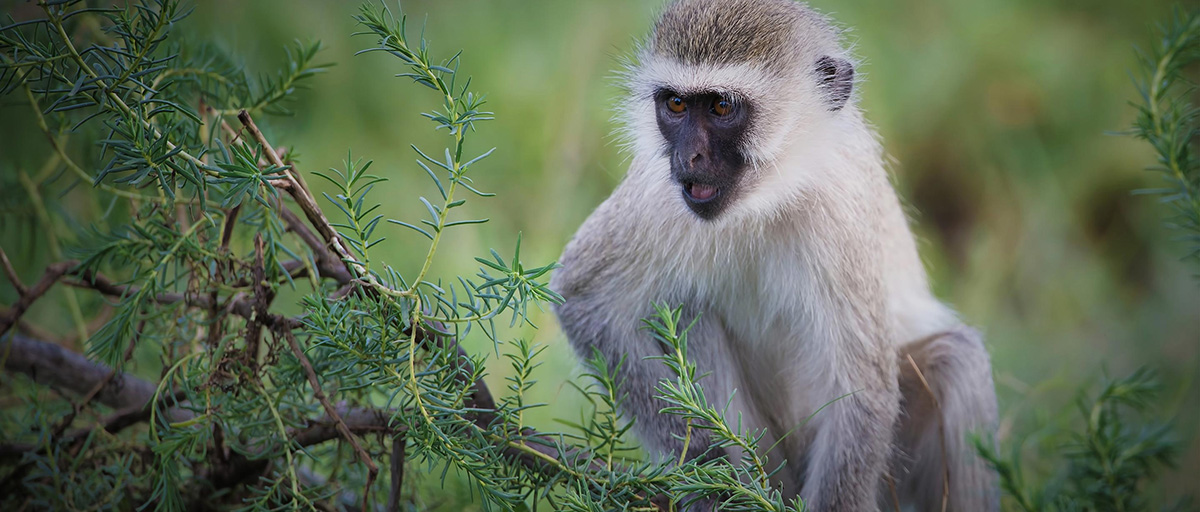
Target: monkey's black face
<point>704,135</point>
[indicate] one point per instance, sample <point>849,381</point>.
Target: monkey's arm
<point>622,342</point>
<point>852,446</point>
<point>854,433</point>
<point>605,302</point>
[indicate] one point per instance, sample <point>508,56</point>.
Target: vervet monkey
<point>757,198</point>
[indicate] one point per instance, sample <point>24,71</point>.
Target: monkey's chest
<point>768,303</point>
<point>776,322</point>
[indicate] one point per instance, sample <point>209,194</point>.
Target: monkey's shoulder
<point>592,256</point>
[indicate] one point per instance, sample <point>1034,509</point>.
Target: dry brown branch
<point>9,317</point>
<point>479,400</point>
<point>397,465</point>
<point>239,304</point>
<point>328,264</point>
<point>372,469</point>
<point>12,274</point>
<point>304,199</point>
<point>59,368</point>
<point>260,302</point>
<point>892,487</point>
<point>230,223</point>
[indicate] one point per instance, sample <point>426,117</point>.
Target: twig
<point>372,469</point>
<point>52,274</point>
<point>398,456</point>
<point>328,264</point>
<point>230,223</point>
<point>12,274</point>
<point>262,300</point>
<point>304,199</point>
<point>238,304</point>
<point>359,420</point>
<point>892,487</point>
<point>941,432</point>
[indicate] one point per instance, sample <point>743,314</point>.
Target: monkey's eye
<point>676,104</point>
<point>722,107</point>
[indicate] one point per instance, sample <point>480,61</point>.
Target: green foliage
<point>1110,462</point>
<point>1170,122</point>
<point>740,486</point>
<point>199,242</point>
<point>1106,465</point>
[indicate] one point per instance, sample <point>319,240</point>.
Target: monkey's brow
<point>684,92</point>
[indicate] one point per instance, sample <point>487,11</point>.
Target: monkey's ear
<point>835,77</point>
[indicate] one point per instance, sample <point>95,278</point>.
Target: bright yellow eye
<point>722,107</point>
<point>676,104</point>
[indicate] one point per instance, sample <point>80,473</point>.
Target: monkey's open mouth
<point>700,192</point>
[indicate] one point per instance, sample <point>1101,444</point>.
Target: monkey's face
<point>741,100</point>
<point>703,134</point>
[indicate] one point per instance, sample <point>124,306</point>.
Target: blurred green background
<point>997,113</point>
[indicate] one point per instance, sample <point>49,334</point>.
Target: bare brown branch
<point>59,368</point>
<point>328,264</point>
<point>304,199</point>
<point>240,304</point>
<point>372,469</point>
<point>261,300</point>
<point>9,317</point>
<point>397,466</point>
<point>12,274</point>
<point>230,223</point>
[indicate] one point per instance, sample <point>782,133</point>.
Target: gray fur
<point>955,365</point>
<point>705,32</point>
<point>808,287</point>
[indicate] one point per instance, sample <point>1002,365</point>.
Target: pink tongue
<point>702,192</point>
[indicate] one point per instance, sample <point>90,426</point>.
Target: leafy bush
<point>1111,461</point>
<point>1106,465</point>
<point>255,403</point>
